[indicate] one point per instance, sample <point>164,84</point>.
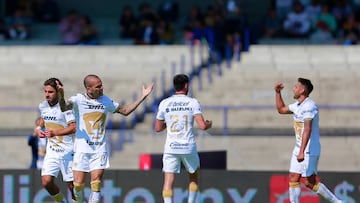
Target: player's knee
<point>193,176</point>
<point>46,181</point>
<point>95,185</point>
<point>294,184</point>
<point>79,186</point>
<point>193,187</point>
<point>167,193</point>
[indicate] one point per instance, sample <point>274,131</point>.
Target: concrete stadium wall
<point>333,70</point>
<point>123,69</point>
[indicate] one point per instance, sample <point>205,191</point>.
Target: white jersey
<point>306,110</point>
<point>178,113</point>
<point>55,119</point>
<point>90,115</point>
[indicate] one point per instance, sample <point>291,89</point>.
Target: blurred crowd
<point>221,23</point>
<point>320,21</point>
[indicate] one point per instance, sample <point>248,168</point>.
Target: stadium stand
<point>247,86</point>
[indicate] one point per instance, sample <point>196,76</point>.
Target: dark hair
<point>179,81</point>
<point>52,82</point>
<point>307,84</point>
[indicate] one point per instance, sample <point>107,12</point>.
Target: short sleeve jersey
<point>90,115</point>
<point>301,111</point>
<point>55,119</point>
<point>178,112</point>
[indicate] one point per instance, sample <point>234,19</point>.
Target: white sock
<point>326,193</point>
<point>167,200</point>
<point>192,197</point>
<point>95,197</point>
<point>294,194</point>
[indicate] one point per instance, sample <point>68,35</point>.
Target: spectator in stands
<point>19,25</point>
<point>127,23</point>
<point>192,17</point>
<point>89,34</point>
<point>199,32</point>
<point>313,10</point>
<point>70,28</point>
<point>47,11</point>
<point>166,32</point>
<point>210,16</point>
<point>28,7</point>
<point>234,24</point>
<point>322,34</point>
<point>271,25</point>
<point>327,18</point>
<point>187,35</point>
<point>297,24</point>
<point>341,10</point>
<point>146,14</point>
<point>350,30</point>
<point>147,33</point>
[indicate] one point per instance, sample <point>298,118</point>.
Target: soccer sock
<point>78,191</point>
<point>95,197</point>
<point>95,191</point>
<point>321,189</point>
<point>167,196</point>
<point>193,188</point>
<point>58,197</point>
<point>294,192</point>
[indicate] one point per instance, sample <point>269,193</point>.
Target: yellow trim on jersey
<point>294,184</point>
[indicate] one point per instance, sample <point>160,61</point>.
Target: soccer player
<point>91,109</point>
<point>59,131</point>
<point>177,114</point>
<point>306,153</point>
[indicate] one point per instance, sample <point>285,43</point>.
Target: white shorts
<point>172,162</point>
<point>306,168</point>
<point>52,166</point>
<point>87,162</point>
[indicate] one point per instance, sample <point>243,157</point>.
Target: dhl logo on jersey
<point>95,106</point>
<point>49,118</point>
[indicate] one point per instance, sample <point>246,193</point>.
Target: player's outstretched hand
<point>147,90</point>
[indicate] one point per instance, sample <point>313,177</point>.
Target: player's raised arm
<point>280,105</point>
<point>64,106</point>
<point>127,109</point>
